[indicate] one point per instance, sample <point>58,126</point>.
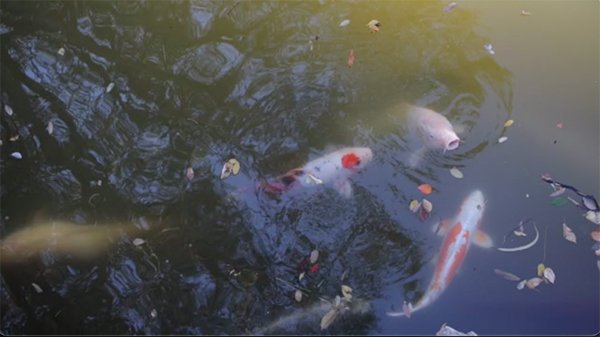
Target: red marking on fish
<point>458,258</point>
<point>351,58</point>
<point>350,161</point>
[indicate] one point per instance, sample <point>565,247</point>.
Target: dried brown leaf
<point>533,282</point>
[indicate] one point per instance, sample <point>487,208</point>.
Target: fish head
<point>471,210</point>
<point>356,158</point>
<point>441,138</point>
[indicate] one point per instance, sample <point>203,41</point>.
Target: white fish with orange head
<point>332,169</point>
<point>461,231</point>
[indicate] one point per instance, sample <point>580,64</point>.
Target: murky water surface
<point>116,104</point>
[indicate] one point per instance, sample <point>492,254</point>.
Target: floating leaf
<point>414,205</point>
<point>314,256</point>
<point>110,87</point>
<point>568,233</point>
<point>232,166</point>
<point>337,301</point>
<point>507,275</point>
<point>374,26</point>
<point>450,7</point>
<point>525,13</point>
<point>559,125</point>
<point>502,139</point>
<point>559,201</point>
<point>344,23</point>
<point>519,232</point>
<point>61,51</point>
<point>593,217</point>
<point>427,205</point>
<point>589,203</point>
<point>328,318</point>
<point>138,241</point>
<point>235,166</point>
<point>456,173</point>
<point>37,288</point>
<point>521,284</point>
<point>301,276</point>
<point>153,313</point>
<point>314,268</point>
<point>346,290</point>
<point>14,138</point>
<point>351,58</point>
<point>425,189</point>
<point>189,173</point>
<point>595,235</point>
<point>558,192</point>
<point>16,155</point>
<point>8,110</point>
<point>50,127</point>
<point>540,269</point>
<point>489,48</point>
<point>549,275</point>
<point>298,295</point>
<point>533,282</point>
<point>508,123</point>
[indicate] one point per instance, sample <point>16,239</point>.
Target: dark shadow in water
<point>137,92</point>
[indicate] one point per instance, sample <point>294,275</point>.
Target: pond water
<point>139,92</point>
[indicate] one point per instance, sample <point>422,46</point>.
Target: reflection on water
<point>136,92</point>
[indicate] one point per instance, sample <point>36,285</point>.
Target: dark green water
<point>146,89</point>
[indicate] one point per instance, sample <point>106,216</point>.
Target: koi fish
<point>433,130</point>
<point>61,238</point>
<point>454,249</point>
<point>334,168</point>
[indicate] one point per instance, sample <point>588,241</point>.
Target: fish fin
<point>415,157</point>
<point>441,228</point>
<point>344,188</point>
<point>482,239</point>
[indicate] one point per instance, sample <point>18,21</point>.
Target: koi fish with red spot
<point>334,168</point>
<point>454,249</point>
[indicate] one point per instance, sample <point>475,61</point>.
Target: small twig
<point>232,7</point>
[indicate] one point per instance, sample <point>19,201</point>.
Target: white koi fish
<point>433,130</point>
<point>334,168</point>
<point>454,249</point>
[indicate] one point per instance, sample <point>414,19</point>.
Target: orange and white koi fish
<point>334,168</point>
<point>454,249</point>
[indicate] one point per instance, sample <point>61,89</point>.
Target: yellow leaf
<point>374,25</point>
<point>540,269</point>
<point>414,206</point>
<point>508,123</point>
